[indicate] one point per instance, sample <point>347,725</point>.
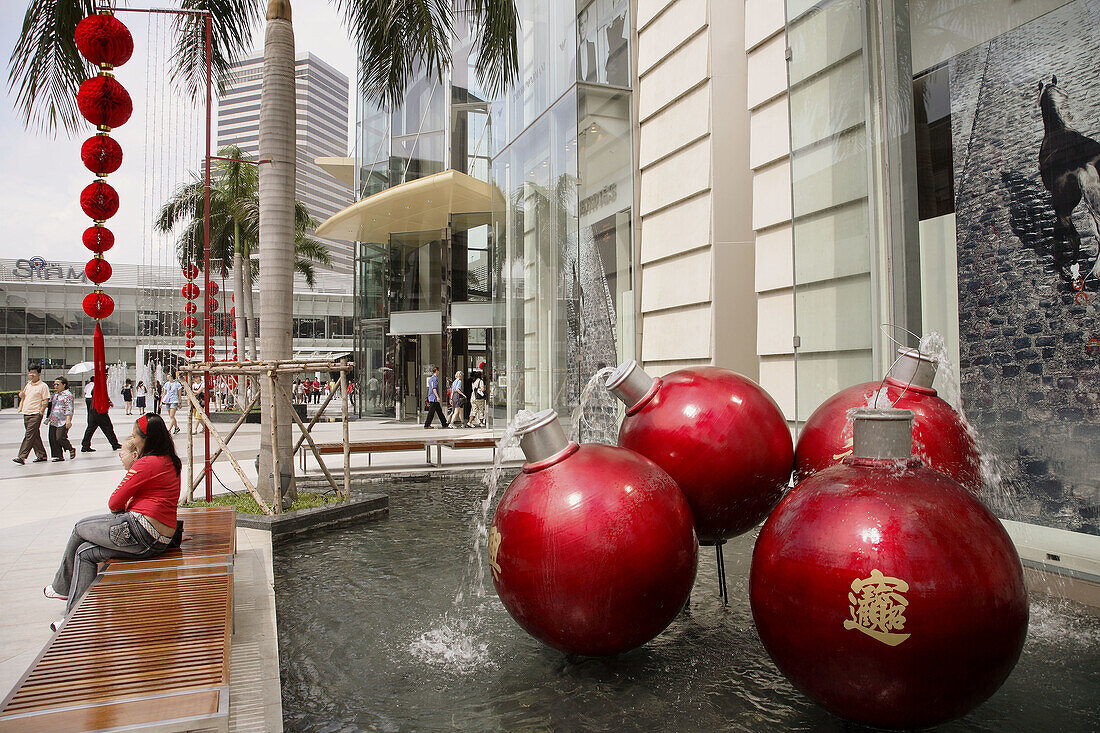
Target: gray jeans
<point>94,540</point>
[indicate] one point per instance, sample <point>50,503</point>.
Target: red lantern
<point>940,439</point>
<point>104,40</point>
<point>98,270</point>
<point>104,102</point>
<point>98,305</point>
<point>884,590</point>
<point>99,200</point>
<point>233,311</point>
<point>191,271</point>
<point>190,307</point>
<point>190,343</point>
<point>211,305</point>
<point>718,434</point>
<point>189,322</point>
<point>98,239</point>
<point>190,291</point>
<point>190,353</point>
<point>592,547</point>
<point>101,154</point>
<point>211,288</point>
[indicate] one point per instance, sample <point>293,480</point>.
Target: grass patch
<point>245,504</point>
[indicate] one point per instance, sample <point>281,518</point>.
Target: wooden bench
<point>146,648</point>
<point>392,446</point>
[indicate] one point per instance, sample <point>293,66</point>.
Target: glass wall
<point>941,183</point>
<point>563,162</point>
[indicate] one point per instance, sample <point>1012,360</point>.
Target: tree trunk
<point>250,324</point>
<point>277,145</point>
<point>238,308</point>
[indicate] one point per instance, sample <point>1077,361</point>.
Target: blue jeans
<point>94,540</point>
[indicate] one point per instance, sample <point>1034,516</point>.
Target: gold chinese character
<point>494,548</point>
<point>849,445</point>
<point>878,607</point>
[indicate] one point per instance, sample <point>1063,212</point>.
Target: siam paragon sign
<point>37,268</point>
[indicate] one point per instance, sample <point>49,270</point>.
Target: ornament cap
<point>542,437</point>
<point>630,383</point>
<point>882,433</point>
<point>915,368</point>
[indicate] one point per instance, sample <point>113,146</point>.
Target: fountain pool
<point>370,638</point>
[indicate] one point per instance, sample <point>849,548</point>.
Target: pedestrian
<point>128,396</point>
<point>197,388</point>
<point>61,419</point>
<point>458,400</point>
<point>97,421</point>
<point>372,391</point>
<point>307,390</point>
<point>170,398</point>
<point>434,400</point>
<point>158,389</point>
<point>316,390</point>
<point>143,519</point>
<point>139,396</point>
<point>34,400</point>
<point>477,402</point>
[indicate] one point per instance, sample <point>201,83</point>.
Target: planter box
<point>367,507</point>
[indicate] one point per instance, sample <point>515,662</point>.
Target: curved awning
<point>420,205</point>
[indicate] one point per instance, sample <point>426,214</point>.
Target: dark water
<point>370,639</point>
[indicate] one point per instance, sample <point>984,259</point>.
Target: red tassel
<point>101,401</point>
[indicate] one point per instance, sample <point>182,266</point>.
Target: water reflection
<point>370,639</point>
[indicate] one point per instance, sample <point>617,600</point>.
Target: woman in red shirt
<point>142,521</point>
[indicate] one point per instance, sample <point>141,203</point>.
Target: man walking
<point>35,397</point>
<point>433,400</point>
<point>97,421</point>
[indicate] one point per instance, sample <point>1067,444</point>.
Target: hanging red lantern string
<point>104,41</point>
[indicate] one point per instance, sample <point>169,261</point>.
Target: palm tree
<point>234,231</point>
<point>396,41</point>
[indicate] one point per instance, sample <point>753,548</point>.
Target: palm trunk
<point>249,310</point>
<point>238,307</point>
<point>277,143</point>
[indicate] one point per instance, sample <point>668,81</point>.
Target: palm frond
<point>45,69</point>
<point>305,269</point>
<point>311,249</point>
<point>397,41</point>
<point>496,26</point>
<point>186,203</point>
<point>231,23</point>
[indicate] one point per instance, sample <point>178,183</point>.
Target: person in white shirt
<point>34,399</point>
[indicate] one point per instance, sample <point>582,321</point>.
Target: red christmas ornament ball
<point>99,200</point>
<point>889,594</point>
<point>101,154</point>
<point>98,239</point>
<point>190,307</point>
<point>104,102</point>
<point>104,40</point>
<point>940,439</point>
<point>98,270</point>
<point>98,305</point>
<point>718,435</point>
<point>211,288</point>
<point>593,549</point>
<point>212,305</point>
<point>190,291</point>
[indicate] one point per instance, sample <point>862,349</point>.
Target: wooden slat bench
<point>393,446</point>
<point>146,648</point>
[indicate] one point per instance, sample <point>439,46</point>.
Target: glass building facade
<point>539,286</point>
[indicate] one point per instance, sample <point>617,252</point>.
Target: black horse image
<point>1069,164</point>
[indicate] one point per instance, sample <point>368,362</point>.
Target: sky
<point>44,174</point>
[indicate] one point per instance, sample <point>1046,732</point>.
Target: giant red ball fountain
<point>884,590</point>
<point>718,435</point>
<point>940,438</point>
<point>592,547</point>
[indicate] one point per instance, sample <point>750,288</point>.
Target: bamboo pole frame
<point>249,371</point>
